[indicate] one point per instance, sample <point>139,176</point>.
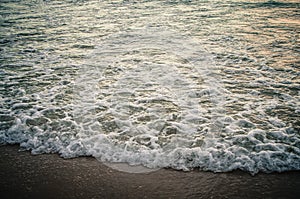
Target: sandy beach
<point>48,176</point>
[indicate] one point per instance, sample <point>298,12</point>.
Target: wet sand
<point>23,175</point>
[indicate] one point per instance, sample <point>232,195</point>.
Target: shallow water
<point>180,84</point>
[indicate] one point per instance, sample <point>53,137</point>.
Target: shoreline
<point>23,175</point>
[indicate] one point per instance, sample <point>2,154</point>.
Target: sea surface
<point>209,84</point>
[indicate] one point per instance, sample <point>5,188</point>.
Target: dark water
<point>181,84</point>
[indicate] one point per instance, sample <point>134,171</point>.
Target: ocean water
<point>211,85</point>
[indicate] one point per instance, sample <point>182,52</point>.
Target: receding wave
<point>153,94</point>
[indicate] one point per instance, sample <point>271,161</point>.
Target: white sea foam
<point>150,96</point>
